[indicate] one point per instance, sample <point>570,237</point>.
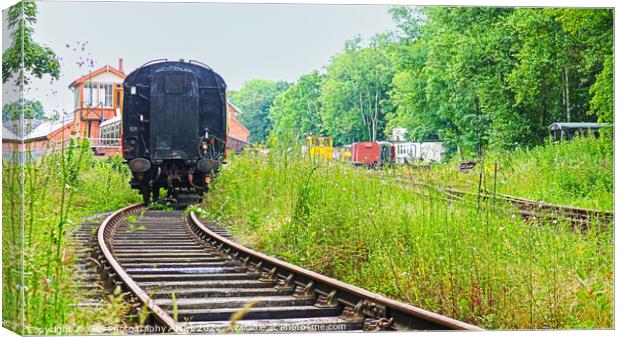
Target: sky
<point>239,41</point>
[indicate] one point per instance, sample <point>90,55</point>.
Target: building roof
<point>99,71</point>
<point>110,121</point>
<point>20,130</point>
<point>579,125</point>
<point>8,135</point>
<point>234,106</point>
<point>48,127</point>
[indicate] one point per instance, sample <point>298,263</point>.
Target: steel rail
<point>527,207</point>
<point>349,295</point>
<point>105,231</point>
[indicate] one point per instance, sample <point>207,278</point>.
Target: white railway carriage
<point>409,152</point>
<point>406,152</point>
<point>432,151</point>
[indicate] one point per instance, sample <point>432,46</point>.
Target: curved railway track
<point>193,278</point>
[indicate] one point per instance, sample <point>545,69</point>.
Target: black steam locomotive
<point>174,126</point>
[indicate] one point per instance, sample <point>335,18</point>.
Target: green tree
<point>591,33</point>
<point>354,93</point>
<point>32,109</point>
<point>298,109</point>
<point>602,102</point>
<point>449,80</point>
<point>497,76</point>
<point>255,99</point>
<point>25,57</point>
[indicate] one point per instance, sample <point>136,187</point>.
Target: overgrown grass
<point>58,190</point>
<point>577,173</point>
<point>486,267</point>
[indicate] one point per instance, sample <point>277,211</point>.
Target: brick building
<point>49,134</point>
<point>98,96</point>
<point>235,128</point>
<point>10,142</point>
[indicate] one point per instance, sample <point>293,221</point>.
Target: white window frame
<point>99,98</point>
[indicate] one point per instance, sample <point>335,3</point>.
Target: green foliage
<point>58,189</point>
<point>602,103</point>
<point>354,93</point>
<point>498,76</point>
<point>25,57</point>
<point>255,99</point>
<point>298,108</point>
<point>475,78</point>
<point>577,173</point>
<point>31,109</point>
<point>488,268</point>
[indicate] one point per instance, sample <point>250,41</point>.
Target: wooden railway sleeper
<point>231,263</point>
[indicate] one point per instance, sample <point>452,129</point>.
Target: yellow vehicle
<point>320,147</point>
<point>345,154</point>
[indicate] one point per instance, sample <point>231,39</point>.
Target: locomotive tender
<point>174,126</point>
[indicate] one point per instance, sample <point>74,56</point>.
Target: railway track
<point>536,211</point>
<point>193,278</point>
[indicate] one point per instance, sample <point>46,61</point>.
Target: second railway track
<point>537,211</point>
<point>194,278</point>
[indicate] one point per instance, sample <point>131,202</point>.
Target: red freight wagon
<point>372,153</point>
<point>365,153</point>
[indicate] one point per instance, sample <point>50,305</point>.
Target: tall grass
<point>58,189</point>
<point>577,173</point>
<point>12,245</point>
<point>484,266</point>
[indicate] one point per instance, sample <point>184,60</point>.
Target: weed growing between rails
<point>59,189</point>
<point>575,173</point>
<point>485,267</point>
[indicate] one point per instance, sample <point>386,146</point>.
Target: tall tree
<point>591,35</point>
<point>498,76</point>
<point>255,99</point>
<point>25,57</point>
<point>354,93</point>
<point>298,109</point>
<point>449,80</point>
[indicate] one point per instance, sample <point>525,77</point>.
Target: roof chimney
<point>120,64</point>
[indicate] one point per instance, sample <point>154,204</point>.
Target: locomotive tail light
<point>139,165</point>
<point>207,165</point>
